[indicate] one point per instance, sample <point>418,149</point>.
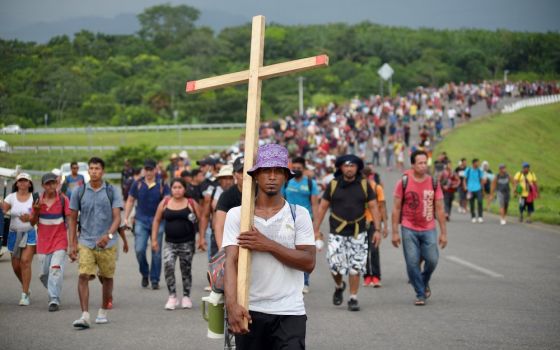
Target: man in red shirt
<point>418,203</point>
<point>52,237</point>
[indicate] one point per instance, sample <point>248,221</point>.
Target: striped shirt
<point>52,234</point>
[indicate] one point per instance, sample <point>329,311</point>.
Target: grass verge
<point>526,135</point>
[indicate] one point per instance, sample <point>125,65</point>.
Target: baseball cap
<point>48,177</point>
<point>226,170</point>
<point>149,164</point>
<point>238,164</point>
<point>24,176</point>
<point>525,165</point>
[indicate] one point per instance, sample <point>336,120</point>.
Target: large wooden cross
<point>254,76</point>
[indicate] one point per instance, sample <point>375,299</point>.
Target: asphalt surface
<point>495,287</point>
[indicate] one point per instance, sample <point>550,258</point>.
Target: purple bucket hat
<point>271,156</point>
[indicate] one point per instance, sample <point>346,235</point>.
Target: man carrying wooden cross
<point>254,76</point>
<point>283,248</point>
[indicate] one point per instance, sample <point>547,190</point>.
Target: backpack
<point>216,264</point>
<point>309,186</point>
<point>405,183</point>
<point>468,173</point>
<point>108,190</point>
<point>343,222</point>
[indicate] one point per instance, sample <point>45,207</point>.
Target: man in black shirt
<point>348,196</point>
<point>231,198</point>
<point>193,186</point>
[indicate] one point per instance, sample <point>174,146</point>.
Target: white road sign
<point>385,72</point>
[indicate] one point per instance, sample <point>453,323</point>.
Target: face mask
<point>298,173</point>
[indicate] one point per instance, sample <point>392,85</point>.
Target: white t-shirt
<point>19,208</point>
<point>275,288</point>
<point>451,113</point>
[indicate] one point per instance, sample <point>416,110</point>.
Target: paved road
<point>495,287</point>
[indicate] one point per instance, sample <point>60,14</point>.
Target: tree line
<point>96,78</point>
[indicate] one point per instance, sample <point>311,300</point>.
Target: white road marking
<point>473,266</point>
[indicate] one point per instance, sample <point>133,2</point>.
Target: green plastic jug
<point>213,313</point>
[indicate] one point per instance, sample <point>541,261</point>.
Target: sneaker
<point>367,281</point>
<point>502,222</point>
<point>376,282</point>
<point>473,220</point>
<point>145,282</point>
<point>528,221</point>
<point>420,302</point>
<point>24,301</point>
<point>353,305</point>
<point>81,323</point>
<point>338,294</point>
<point>480,220</point>
<point>186,303</point>
<point>53,307</point>
<point>172,302</point>
<point>3,250</point>
<point>305,289</point>
<point>101,317</point>
<point>427,292</point>
<point>155,285</point>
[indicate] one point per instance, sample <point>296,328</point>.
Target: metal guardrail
<point>530,102</point>
<point>61,149</point>
<point>94,129</point>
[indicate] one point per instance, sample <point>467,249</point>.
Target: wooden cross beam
<point>254,76</point>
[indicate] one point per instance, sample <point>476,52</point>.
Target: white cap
<point>225,170</point>
<point>25,176</point>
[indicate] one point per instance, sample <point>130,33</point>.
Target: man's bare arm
<point>323,207</point>
<point>219,221</point>
<point>442,224</point>
<point>236,313</point>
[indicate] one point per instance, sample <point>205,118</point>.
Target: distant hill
<point>126,23</point>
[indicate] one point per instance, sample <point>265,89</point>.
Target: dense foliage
<point>140,79</point>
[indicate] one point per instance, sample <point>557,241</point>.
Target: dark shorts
<point>271,332</point>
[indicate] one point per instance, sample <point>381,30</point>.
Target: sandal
<point>427,292</point>
<point>420,302</point>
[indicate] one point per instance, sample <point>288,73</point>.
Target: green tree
<point>166,24</point>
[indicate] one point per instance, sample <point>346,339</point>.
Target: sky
<point>37,20</point>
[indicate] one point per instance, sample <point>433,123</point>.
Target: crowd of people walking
<point>326,161</point>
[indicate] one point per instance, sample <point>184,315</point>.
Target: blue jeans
<point>419,245</point>
<point>52,275</point>
<point>142,233</point>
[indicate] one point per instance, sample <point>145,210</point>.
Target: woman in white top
<point>22,238</point>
